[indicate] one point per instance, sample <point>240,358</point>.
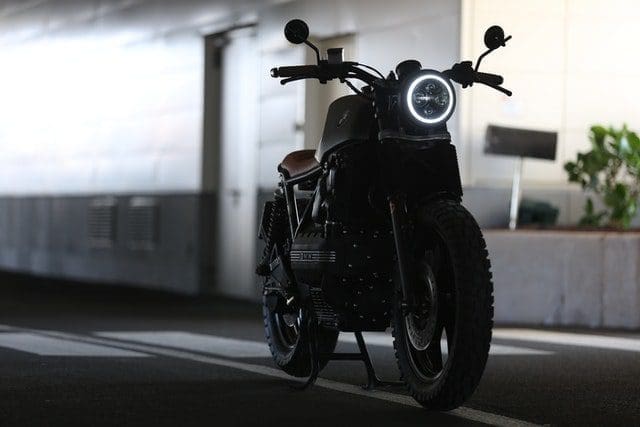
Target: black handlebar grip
<point>489,79</point>
<point>295,71</point>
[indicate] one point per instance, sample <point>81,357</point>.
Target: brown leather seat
<point>299,163</point>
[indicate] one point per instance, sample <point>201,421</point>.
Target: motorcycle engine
<point>346,255</point>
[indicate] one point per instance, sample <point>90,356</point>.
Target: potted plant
<point>611,172</point>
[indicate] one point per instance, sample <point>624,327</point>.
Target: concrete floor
<point>79,354</point>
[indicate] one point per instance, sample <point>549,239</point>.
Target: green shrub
<point>611,172</point>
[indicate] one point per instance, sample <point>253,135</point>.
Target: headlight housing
<point>428,98</point>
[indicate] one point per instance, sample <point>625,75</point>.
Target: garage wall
<point>105,96</point>
<point>101,107</point>
<point>103,100</point>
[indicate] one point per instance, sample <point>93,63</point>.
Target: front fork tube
<point>399,222</point>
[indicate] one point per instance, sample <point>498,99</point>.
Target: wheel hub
<point>291,319</point>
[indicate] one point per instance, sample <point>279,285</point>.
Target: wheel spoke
<point>446,315</point>
<point>434,270</point>
<point>433,353</point>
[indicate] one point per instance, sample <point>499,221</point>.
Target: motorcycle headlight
<point>429,98</point>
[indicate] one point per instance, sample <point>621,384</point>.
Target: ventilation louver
<point>101,220</point>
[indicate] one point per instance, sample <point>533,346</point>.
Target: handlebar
<point>462,73</point>
<point>489,79</point>
<point>323,72</point>
<point>465,74</point>
<point>295,71</point>
<point>493,81</point>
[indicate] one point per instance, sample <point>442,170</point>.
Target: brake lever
<point>498,88</point>
<point>291,79</point>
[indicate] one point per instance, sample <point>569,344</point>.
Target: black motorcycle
<point>368,231</point>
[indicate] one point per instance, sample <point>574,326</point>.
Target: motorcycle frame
<point>396,200</point>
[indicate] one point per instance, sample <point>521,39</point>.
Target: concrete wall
<point>566,278</point>
<point>102,96</point>
<point>105,98</point>
<point>160,242</point>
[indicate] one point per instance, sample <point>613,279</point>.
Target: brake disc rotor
<point>420,329</point>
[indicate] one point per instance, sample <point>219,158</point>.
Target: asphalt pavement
<point>82,354</point>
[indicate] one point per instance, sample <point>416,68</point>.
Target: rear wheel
<point>442,348</point>
<point>289,345</point>
<point>284,329</point>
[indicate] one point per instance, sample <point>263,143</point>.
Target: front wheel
<point>442,347</point>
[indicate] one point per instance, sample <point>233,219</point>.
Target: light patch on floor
<point>386,340</point>
<point>209,344</point>
<point>570,339</point>
<point>47,346</point>
<point>462,412</point>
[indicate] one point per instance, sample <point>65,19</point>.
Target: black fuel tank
<point>349,119</point>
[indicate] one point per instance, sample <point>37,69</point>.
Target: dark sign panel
<point>521,142</point>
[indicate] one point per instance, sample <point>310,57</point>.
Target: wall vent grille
<point>143,226</point>
<point>101,222</point>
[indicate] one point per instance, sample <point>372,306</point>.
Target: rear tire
<point>460,268</point>
<point>290,348</point>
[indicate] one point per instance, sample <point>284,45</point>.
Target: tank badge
<point>345,116</point>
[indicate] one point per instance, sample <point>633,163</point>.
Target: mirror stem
<point>489,51</point>
<point>316,50</point>
<point>482,57</point>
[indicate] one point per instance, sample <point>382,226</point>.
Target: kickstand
<point>373,381</point>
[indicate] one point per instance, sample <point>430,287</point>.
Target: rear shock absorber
<point>273,229</point>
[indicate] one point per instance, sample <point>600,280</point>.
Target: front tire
<point>454,282</point>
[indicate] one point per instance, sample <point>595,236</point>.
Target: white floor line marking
<point>568,338</point>
<point>386,340</point>
<point>463,412</point>
<point>47,346</point>
<point>210,344</point>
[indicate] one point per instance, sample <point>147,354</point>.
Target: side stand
<point>373,381</point>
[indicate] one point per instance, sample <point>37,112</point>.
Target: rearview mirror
<point>494,37</point>
<point>296,31</point>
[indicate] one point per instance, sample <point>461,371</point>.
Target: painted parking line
<point>209,344</point>
<point>569,339</point>
<point>237,348</point>
<point>462,412</point>
<point>47,346</point>
<point>386,340</point>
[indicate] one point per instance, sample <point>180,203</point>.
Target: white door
<point>236,231</point>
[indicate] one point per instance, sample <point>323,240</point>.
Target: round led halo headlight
<point>429,98</point>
